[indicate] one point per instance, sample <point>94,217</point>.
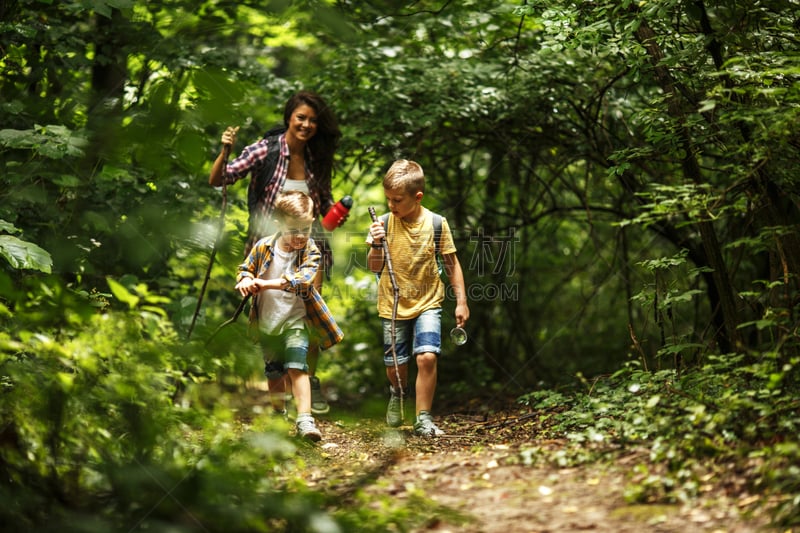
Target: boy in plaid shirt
<point>279,273</point>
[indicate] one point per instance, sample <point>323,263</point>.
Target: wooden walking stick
<point>226,152</point>
<point>231,320</point>
<point>396,301</point>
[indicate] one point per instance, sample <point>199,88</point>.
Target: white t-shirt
<point>280,310</point>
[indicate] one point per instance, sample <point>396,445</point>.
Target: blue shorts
<point>285,351</point>
<point>422,334</point>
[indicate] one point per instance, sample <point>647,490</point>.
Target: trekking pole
<point>231,320</point>
<point>226,152</point>
<point>396,300</point>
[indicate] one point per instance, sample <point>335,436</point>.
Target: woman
<point>299,157</point>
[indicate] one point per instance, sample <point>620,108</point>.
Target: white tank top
<point>295,185</point>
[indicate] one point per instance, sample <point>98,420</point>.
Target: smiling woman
<point>297,158</point>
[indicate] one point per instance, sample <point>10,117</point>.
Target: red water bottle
<point>336,213</point>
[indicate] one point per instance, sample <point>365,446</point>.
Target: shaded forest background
<point>621,178</point>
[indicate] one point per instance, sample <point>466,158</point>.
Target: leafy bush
<point>727,418</point>
<point>91,438</point>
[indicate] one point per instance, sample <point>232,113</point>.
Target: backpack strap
<point>385,219</point>
<point>437,233</point>
<point>258,182</point>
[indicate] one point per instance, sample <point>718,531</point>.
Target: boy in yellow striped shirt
<point>409,233</point>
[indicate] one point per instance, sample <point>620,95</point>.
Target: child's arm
<point>453,268</point>
<point>247,280</point>
<point>375,257</point>
<point>249,285</point>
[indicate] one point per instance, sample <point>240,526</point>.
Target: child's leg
<point>297,368</point>
<point>274,371</point>
<point>427,346</point>
<point>295,352</point>
<point>301,389</point>
<point>391,373</point>
<point>397,361</point>
<point>312,352</point>
<point>277,393</point>
<point>426,381</point>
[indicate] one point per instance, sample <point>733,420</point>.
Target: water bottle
<point>336,213</point>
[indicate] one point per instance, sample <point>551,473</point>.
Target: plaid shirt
<point>322,327</point>
<point>253,160</point>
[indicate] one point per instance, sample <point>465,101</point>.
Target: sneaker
<point>307,429</point>
<point>319,405</point>
<point>425,426</point>
<point>394,413</point>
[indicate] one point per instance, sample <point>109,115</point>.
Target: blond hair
<point>295,205</point>
<point>404,175</point>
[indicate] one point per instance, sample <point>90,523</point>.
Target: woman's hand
<point>229,136</point>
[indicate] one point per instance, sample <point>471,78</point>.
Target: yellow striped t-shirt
<point>413,257</point>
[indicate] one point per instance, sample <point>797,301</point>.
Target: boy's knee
<point>426,360</point>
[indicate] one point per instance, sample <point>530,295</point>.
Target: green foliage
<point>620,177</point>
<point>52,142</point>
<point>22,254</point>
<point>728,418</point>
<point>89,427</point>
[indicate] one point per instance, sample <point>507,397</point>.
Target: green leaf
<point>8,227</point>
<point>25,255</point>
<point>122,294</point>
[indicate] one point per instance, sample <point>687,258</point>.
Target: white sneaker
<point>425,427</point>
<point>307,429</point>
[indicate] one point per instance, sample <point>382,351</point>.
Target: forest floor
<point>486,475</point>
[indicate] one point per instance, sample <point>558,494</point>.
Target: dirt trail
<point>478,476</point>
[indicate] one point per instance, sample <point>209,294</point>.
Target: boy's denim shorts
<point>422,334</point>
<point>284,351</point>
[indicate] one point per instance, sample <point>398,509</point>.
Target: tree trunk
<point>728,338</point>
<point>109,75</point>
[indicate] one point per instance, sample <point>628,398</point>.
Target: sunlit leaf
<point>122,294</point>
<point>25,255</point>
